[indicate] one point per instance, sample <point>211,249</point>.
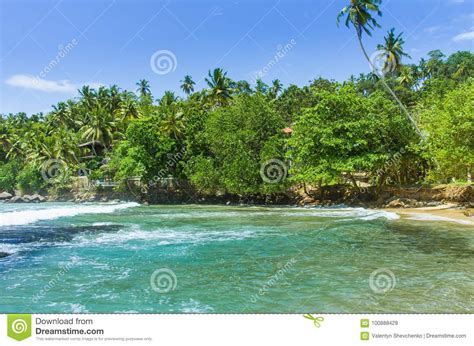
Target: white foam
<point>357,213</point>
<point>430,217</point>
<point>98,224</point>
<point>10,248</point>
<point>25,217</point>
<point>163,236</point>
<point>340,212</point>
<point>193,306</point>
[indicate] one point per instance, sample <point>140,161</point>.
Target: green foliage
<point>218,138</point>
<point>449,121</point>
<point>8,175</point>
<point>29,179</point>
<point>238,139</point>
<point>346,133</point>
<point>144,153</point>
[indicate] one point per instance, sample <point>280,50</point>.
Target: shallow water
<point>101,257</point>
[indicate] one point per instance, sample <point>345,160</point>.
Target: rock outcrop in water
<point>35,198</point>
<point>5,195</point>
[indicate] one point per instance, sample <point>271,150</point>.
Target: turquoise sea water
<point>217,259</point>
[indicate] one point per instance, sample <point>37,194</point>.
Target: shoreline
<point>443,213</point>
<point>448,212</point>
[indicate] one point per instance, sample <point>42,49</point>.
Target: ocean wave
<point>25,217</point>
<point>98,224</point>
<point>10,248</point>
<point>358,213</point>
<point>162,236</point>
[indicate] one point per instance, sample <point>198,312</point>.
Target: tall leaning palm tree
<point>392,52</point>
<point>359,14</point>
<point>187,84</point>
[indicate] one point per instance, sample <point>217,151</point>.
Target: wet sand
<point>446,212</point>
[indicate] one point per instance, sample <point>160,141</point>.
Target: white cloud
<point>52,86</point>
<point>465,36</point>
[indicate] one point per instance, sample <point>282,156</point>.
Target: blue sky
<point>50,48</point>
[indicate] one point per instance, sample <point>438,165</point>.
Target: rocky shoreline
<point>391,197</point>
<point>34,198</point>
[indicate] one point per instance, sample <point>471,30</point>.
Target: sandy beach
<point>446,212</point>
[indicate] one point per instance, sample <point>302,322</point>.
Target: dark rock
<point>396,202</point>
<point>5,195</point>
<point>17,199</point>
<point>433,204</point>
<point>4,254</point>
<point>36,198</point>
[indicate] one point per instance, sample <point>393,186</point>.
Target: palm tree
<point>143,87</point>
<point>173,124</point>
<point>406,77</point>
<point>60,116</point>
<point>359,15</point>
<point>392,52</point>
<point>187,84</point>
<point>219,85</point>
<point>128,109</point>
<point>88,97</point>
<point>261,87</point>
<point>114,98</point>
<point>275,88</point>
<point>168,98</point>
<point>100,126</point>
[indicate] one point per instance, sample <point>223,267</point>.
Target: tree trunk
<point>354,182</point>
<point>304,189</point>
<point>402,106</point>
